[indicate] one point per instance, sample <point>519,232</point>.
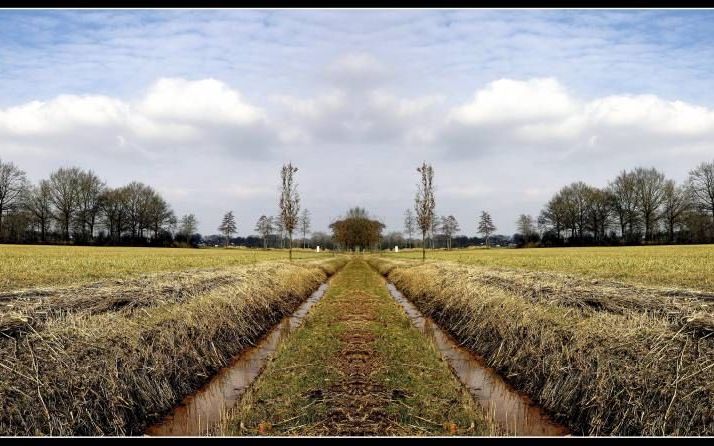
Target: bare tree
<point>279,231</point>
<point>157,213</point>
<point>650,194</point>
<point>136,195</point>
<point>575,202</point>
<point>599,212</point>
<point>89,189</point>
<point>425,203</point>
<point>623,191</point>
<point>674,205</point>
<point>555,214</point>
<point>289,202</point>
<point>228,226</point>
<point>64,190</point>
<point>434,229</point>
<point>701,187</point>
<point>264,227</point>
<point>39,204</point>
<point>486,226</point>
<point>13,185</point>
<point>114,212</point>
<point>409,225</point>
<point>449,227</point>
<point>304,226</point>
<point>525,225</point>
<point>188,226</point>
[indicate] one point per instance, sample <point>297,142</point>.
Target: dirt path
<point>356,403</point>
<point>357,367</point>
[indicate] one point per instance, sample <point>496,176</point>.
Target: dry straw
<point>114,364</point>
<point>606,359</point>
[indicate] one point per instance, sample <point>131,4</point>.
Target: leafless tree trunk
<point>425,203</point>
<point>289,203</point>
<point>13,185</point>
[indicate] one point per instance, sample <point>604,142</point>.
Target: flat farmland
<point>23,266</point>
<point>689,266</point>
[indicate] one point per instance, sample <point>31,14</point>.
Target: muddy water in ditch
<point>512,411</point>
<point>199,413</point>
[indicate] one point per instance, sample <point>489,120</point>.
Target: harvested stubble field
<point>604,357</point>
<point>677,266</point>
<point>112,357</point>
<point>24,266</point>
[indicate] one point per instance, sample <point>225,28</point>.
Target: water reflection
<point>202,411</point>
<point>514,412</point>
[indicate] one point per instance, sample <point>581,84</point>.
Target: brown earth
<point>356,403</point>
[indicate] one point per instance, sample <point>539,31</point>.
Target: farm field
<point>597,353</point>
<point>110,357</point>
<point>606,358</point>
<point>23,266</point>
<point>690,266</point>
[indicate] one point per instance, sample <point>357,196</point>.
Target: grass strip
<point>357,366</point>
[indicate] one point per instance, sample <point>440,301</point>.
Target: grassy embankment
<point>24,266</point>
<point>113,357</point>
<point>688,266</point>
<point>356,367</point>
<point>606,358</point>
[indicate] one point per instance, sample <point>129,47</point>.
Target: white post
<point>317,249</point>
<point>396,248</point>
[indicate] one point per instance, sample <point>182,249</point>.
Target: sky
<point>206,105</point>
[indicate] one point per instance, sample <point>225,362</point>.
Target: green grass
<point>308,363</point>
<point>23,266</point>
<point>689,266</point>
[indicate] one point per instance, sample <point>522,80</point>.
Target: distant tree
<point>554,215</point>
<point>279,231</point>
<point>650,194</point>
<point>623,191</point>
<point>304,226</point>
<point>701,187</point>
<point>577,195</point>
<point>89,191</point>
<point>434,230</point>
<point>265,228</point>
<point>135,195</point>
<point>425,203</point>
<point>189,224</point>
<point>322,240</point>
<point>158,214</point>
<point>228,226</point>
<point>486,226</point>
<point>409,225</point>
<point>394,238</point>
<point>64,191</point>
<point>289,203</point>
<point>599,211</point>
<point>13,185</point>
<point>39,204</point>
<point>525,225</point>
<point>357,230</point>
<point>675,204</point>
<point>172,224</point>
<point>114,210</point>
<point>449,227</point>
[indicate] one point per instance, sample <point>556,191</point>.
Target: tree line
<point>75,205</point>
<point>638,206</point>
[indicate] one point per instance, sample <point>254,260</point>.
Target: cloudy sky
<point>206,105</point>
